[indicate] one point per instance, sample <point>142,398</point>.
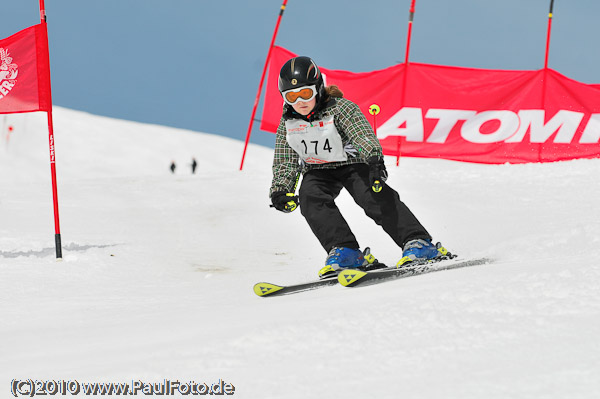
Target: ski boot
<point>422,251</point>
<point>345,258</point>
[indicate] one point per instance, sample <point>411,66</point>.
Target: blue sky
<point>196,64</point>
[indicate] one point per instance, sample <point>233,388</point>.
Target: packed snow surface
<point>158,268</point>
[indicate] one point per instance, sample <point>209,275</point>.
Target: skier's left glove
<point>377,173</point>
<point>284,202</point>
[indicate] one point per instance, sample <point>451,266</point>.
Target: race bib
<point>316,142</point>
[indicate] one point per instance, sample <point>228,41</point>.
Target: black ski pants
<point>320,188</point>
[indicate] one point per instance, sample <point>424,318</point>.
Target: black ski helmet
<point>301,71</point>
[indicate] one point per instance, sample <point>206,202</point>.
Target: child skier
<point>328,139</point>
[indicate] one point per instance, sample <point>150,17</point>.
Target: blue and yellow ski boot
<point>422,251</point>
<point>345,258</point>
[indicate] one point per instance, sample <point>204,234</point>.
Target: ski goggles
<point>305,93</point>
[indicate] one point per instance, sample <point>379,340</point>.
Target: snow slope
<point>156,281</point>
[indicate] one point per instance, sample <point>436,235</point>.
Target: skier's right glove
<point>377,172</point>
<point>284,202</point>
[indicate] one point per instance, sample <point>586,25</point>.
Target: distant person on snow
<point>194,165</point>
<point>328,140</point>
<point>173,167</point>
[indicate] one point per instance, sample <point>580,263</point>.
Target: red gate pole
<point>411,17</point>
<point>545,73</point>
<point>262,78</point>
<point>57,238</point>
<point>548,34</point>
<point>547,54</point>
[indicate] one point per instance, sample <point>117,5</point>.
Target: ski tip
<point>348,277</point>
<point>265,289</point>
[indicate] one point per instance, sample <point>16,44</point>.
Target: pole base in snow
<point>58,247</point>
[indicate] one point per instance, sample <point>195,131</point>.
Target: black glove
<point>284,202</point>
<point>377,173</point>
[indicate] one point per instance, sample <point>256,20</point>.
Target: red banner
<point>466,114</point>
<point>25,72</point>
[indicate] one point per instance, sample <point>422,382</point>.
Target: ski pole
<point>374,110</point>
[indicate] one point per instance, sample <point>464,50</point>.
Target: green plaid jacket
<point>351,124</point>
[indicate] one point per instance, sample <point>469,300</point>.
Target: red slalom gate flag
<point>25,72</point>
<point>466,114</point>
